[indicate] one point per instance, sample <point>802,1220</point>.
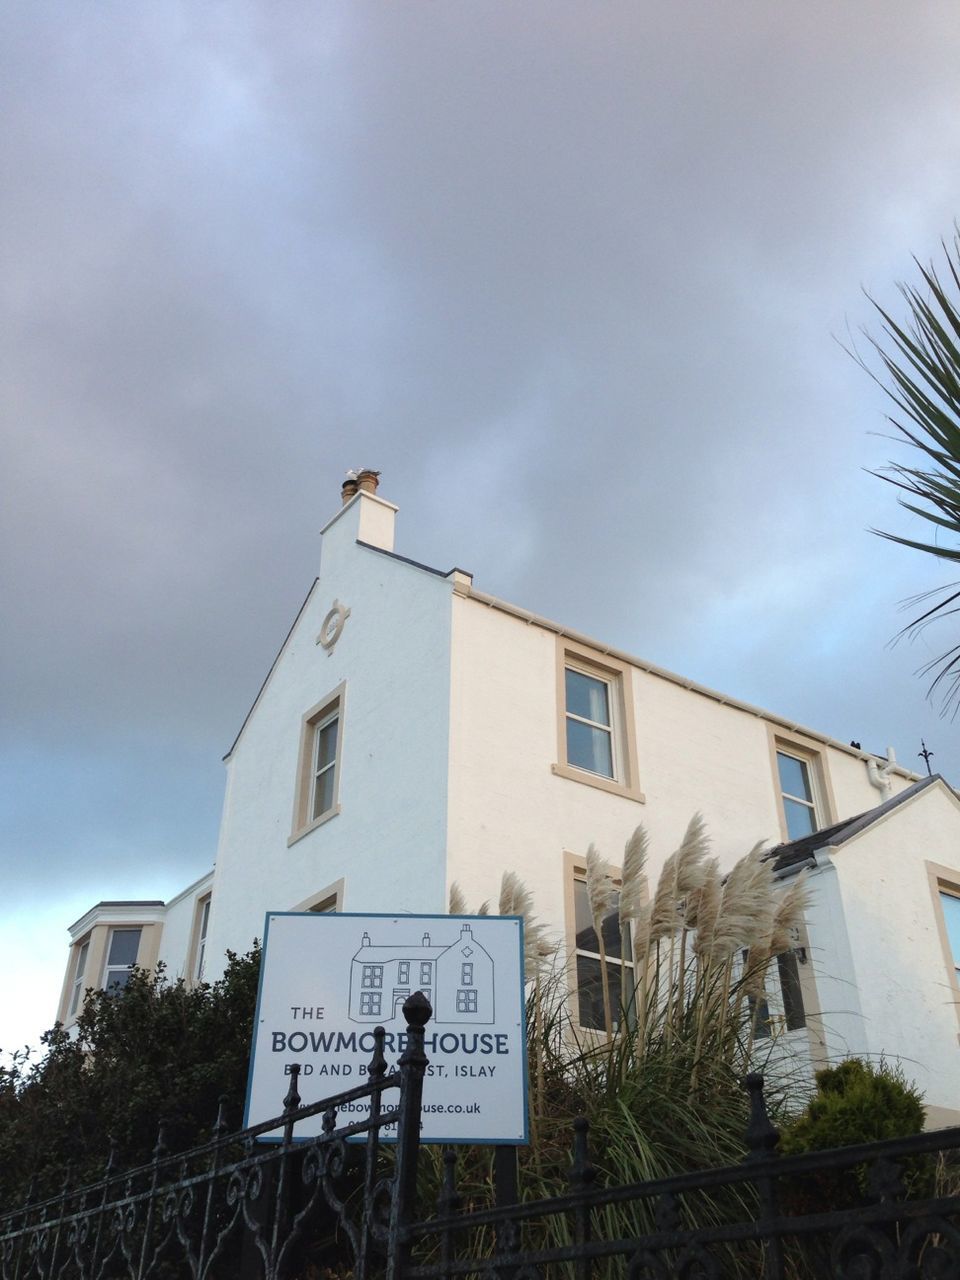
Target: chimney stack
<point>363,481</point>
<point>363,516</point>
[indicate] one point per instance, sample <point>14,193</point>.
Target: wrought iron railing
<point>238,1207</point>
<point>883,1211</point>
<point>326,1206</point>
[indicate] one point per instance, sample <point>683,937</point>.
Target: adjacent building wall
<point>180,929</point>
<point>908,1000</point>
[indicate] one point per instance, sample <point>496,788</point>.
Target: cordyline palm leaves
<point>921,361</point>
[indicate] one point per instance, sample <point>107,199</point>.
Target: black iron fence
<point>883,1211</point>
<point>344,1204</point>
<point>239,1206</point>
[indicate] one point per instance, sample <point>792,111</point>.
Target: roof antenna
<point>925,756</point>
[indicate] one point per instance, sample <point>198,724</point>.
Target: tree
<point>157,1050</point>
<point>921,375</point>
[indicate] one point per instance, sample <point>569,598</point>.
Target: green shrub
<point>155,1050</point>
<point>855,1102</point>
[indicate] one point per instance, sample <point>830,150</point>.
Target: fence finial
<point>292,1099</point>
<point>582,1172</point>
<point>762,1137</point>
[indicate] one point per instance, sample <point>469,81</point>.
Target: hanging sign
<point>327,980</point>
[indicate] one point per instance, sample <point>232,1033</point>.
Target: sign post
<point>327,980</point>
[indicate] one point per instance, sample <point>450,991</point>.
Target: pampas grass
<point>516,900</point>
<point>682,876</point>
<point>634,909</point>
<point>687,986</point>
<point>662,1093</point>
<point>601,895</point>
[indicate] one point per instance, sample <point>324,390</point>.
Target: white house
<point>414,730</point>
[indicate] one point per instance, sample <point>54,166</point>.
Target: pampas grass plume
<point>790,911</point>
<point>634,888</point>
<point>707,908</point>
<point>683,873</point>
<point>600,888</point>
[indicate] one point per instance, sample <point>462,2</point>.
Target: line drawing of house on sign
<point>456,977</point>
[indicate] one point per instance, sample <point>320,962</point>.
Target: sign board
<point>327,980</point>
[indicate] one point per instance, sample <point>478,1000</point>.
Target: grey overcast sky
<point>574,276</point>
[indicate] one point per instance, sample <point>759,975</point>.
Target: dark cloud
<point>570,274</point>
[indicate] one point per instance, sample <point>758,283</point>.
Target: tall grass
<point>660,1084</point>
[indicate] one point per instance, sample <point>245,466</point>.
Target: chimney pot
<point>368,481</point>
<point>349,487</point>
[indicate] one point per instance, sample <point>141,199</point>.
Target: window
<point>945,891</point>
<point>325,907</point>
<point>372,975</point>
<point>797,795</point>
<point>82,954</point>
<point>595,720</point>
<point>788,970</point>
<point>426,971</point>
<point>589,722</point>
<point>403,972</point>
<point>587,960</point>
<point>950,906</point>
<point>793,1016</point>
<point>759,1017</point>
<point>121,957</point>
<point>316,796</point>
<point>326,901</point>
<point>326,736</point>
<point>202,923</point>
<point>466,973</point>
<point>467,1000</point>
<point>370,1003</point>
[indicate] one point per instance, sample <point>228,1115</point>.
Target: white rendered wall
<point>838,1030</point>
<point>179,928</point>
<point>388,840</point>
<point>908,1004</point>
<point>509,811</point>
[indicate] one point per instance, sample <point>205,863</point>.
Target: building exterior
<point>414,730</point>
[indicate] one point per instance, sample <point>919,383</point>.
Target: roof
<point>133,909</point>
<point>417,564</point>
<point>800,851</point>
<point>399,952</point>
<point>641,664</point>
